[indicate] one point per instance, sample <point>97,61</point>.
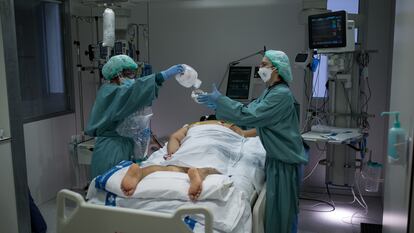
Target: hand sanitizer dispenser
<point>397,141</point>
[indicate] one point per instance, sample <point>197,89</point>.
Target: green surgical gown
<point>112,105</point>
<point>275,117</point>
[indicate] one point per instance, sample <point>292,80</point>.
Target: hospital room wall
<point>378,25</point>
<point>49,167</point>
<point>208,36</point>
<point>8,212</point>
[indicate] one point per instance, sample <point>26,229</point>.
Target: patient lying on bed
<point>183,156</point>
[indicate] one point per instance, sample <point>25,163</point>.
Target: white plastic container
<point>108,28</point>
<point>372,176</point>
<point>189,78</point>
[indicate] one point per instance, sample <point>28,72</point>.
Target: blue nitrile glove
<point>210,99</point>
<point>172,71</point>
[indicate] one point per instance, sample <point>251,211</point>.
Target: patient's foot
<point>195,184</point>
<point>131,179</point>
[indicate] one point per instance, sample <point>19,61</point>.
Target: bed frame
<point>90,218</point>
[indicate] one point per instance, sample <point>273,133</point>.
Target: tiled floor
<point>337,221</point>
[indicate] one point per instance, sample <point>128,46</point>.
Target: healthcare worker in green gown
<point>114,102</point>
<point>275,117</point>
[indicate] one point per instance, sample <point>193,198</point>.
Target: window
<point>350,6</point>
<point>41,54</point>
<point>53,50</point>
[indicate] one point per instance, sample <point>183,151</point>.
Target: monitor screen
<point>118,46</point>
<point>327,30</point>
<point>238,84</point>
<point>103,51</point>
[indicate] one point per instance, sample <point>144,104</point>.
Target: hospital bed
<point>86,217</point>
<point>141,216</point>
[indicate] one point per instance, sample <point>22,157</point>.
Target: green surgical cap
<point>116,65</point>
<point>281,61</point>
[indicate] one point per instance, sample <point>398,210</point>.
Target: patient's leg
<point>135,174</point>
<point>197,175</point>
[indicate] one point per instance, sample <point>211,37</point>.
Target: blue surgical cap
<point>116,65</point>
<point>281,61</point>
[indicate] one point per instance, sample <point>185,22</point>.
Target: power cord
<point>321,202</point>
<point>319,161</point>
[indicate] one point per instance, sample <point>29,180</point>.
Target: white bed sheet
<point>241,158</point>
<point>219,147</point>
<point>231,216</point>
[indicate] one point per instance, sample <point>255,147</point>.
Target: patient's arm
<point>174,142</point>
<point>250,133</point>
<point>244,133</point>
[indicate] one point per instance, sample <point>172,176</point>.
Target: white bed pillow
<point>172,186</point>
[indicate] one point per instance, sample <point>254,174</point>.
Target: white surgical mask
<point>128,82</point>
<point>265,74</point>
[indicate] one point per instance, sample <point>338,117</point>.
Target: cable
<point>316,88</point>
<point>362,198</point>
<point>306,85</point>
<point>355,226</point>
<point>260,52</point>
<point>307,106</point>
<point>313,169</point>
<point>310,97</point>
<point>361,202</point>
<point>353,147</point>
<point>357,199</point>
<point>224,76</point>
<point>347,97</point>
<point>369,94</point>
<point>321,202</point>
<point>348,203</point>
<point>329,193</point>
<point>367,97</point>
<point>363,61</point>
<point>325,100</point>
<point>313,86</point>
<point>316,111</point>
<point>317,78</point>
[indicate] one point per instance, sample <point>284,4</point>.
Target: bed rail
<point>259,212</point>
<point>83,217</point>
